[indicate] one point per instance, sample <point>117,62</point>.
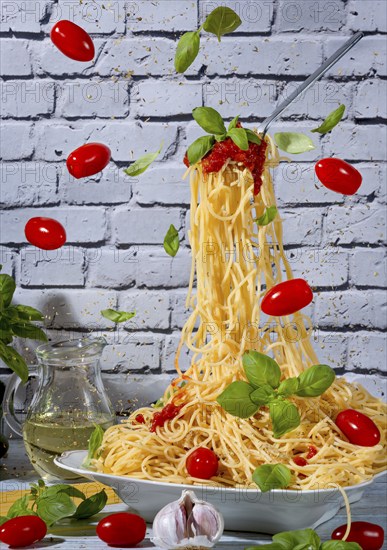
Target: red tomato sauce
<point>167,413</point>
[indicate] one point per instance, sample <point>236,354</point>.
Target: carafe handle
<point>9,397</point>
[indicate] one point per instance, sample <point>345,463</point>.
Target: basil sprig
<point>268,216</point>
<point>331,121</point>
<point>117,316</point>
<point>220,21</point>
<point>141,164</point>
<point>305,539</point>
<point>243,399</point>
<point>171,241</point>
<point>293,142</point>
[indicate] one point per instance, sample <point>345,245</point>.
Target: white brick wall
<point>131,99</point>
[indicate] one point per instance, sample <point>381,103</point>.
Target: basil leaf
<point>340,545</point>
<point>315,381</point>
<point>288,387</point>
<point>29,313</point>
<point>171,241</point>
<point>187,51</point>
<point>117,316</point>
<point>293,142</point>
<point>220,137</point>
<point>199,148</point>
<point>95,442</point>
<point>7,288</point>
<point>14,361</point>
<point>54,508</point>
<point>305,539</point>
<point>28,330</point>
<point>233,123</point>
<point>235,399</point>
<point>239,137</point>
<point>331,121</point>
<point>252,136</point>
<point>272,476</point>
<point>19,508</point>
<point>268,216</point>
<point>63,488</point>
<point>263,395</point>
<point>91,505</point>
<point>261,369</point>
<point>3,520</point>
<point>222,21</point>
<point>271,546</point>
<point>284,417</point>
<point>210,120</point>
<point>140,165</point>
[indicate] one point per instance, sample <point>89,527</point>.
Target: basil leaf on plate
<point>252,136</point>
<point>268,216</point>
<point>69,490</point>
<point>235,399</point>
<point>187,51</point>
<point>20,508</point>
<point>284,417</point>
<point>239,137</point>
<point>293,142</point>
<point>288,387</point>
<point>305,539</point>
<point>331,121</point>
<point>263,395</point>
<point>171,241</point>
<point>315,381</point>
<point>210,120</point>
<point>52,509</point>
<point>91,505</point>
<point>261,369</point>
<point>95,442</point>
<point>340,545</point>
<point>117,316</point>
<point>233,123</point>
<point>3,519</point>
<point>222,21</point>
<point>199,148</point>
<point>272,476</point>
<point>141,164</point>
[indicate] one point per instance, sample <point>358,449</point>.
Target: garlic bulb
<point>187,522</point>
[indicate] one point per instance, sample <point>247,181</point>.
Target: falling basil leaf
<point>293,142</point>
<point>210,120</point>
<point>268,216</point>
<point>171,241</point>
<point>222,21</point>
<point>272,476</point>
<point>252,136</point>
<point>233,123</point>
<point>284,417</point>
<point>239,137</point>
<point>117,316</point>
<point>199,148</point>
<point>236,400</point>
<point>187,51</point>
<point>91,506</point>
<point>315,380</point>
<point>331,121</point>
<point>142,164</point>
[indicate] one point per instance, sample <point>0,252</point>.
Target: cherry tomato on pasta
<point>300,461</point>
<point>202,463</point>
<point>368,535</point>
<point>45,233</point>
<point>23,531</point>
<point>123,529</point>
<point>72,41</point>
<point>87,160</point>
<point>358,428</point>
<point>287,298</point>
<point>337,175</point>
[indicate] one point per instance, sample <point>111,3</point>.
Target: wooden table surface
<point>16,473</point>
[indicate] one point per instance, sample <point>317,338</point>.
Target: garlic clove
<point>205,520</point>
<point>169,525</point>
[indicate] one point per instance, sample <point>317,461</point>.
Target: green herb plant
<point>220,21</point>
<point>243,399</point>
<point>141,164</point>
<point>16,320</point>
<point>305,539</point>
<point>171,241</point>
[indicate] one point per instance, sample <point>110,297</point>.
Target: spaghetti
<point>235,262</point>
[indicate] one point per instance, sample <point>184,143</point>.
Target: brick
<point>169,354</point>
<point>82,224</point>
<point>370,99</point>
<point>140,226</point>
<point>96,17</point>
<point>85,99</point>
<point>367,351</point>
<point>321,267</point>
<point>157,269</point>
<point>179,312</point>
<point>301,225</point>
<point>162,184</point>
<point>172,98</point>
<point>14,57</point>
<point>267,56</point>
<point>162,14</point>
<point>351,309</point>
<point>359,224</point>
<point>141,352</point>
<point>256,16</point>
<point>368,267</point>
<point>48,60</point>
<point>23,16</point>
<point>367,16</point>
<point>28,184</point>
<point>17,141</point>
<point>310,16</point>
<point>7,257</point>
<point>357,143</point>
<point>112,268</point>
<point>368,57</point>
<point>27,99</point>
<point>152,308</point>
<point>331,348</point>
<point>51,268</point>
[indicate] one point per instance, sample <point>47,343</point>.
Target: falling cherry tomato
<point>45,233</point>
<point>72,41</point>
<point>202,463</point>
<point>88,160</point>
<point>337,175</point>
<point>123,529</point>
<point>287,298</point>
<point>358,428</point>
<point>368,535</point>
<point>23,531</point>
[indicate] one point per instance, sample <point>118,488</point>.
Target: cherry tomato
<point>368,535</point>
<point>287,297</point>
<point>45,233</point>
<point>358,428</point>
<point>122,529</point>
<point>202,463</point>
<point>337,175</point>
<point>88,160</point>
<point>300,461</point>
<point>72,41</point>
<point>23,531</point>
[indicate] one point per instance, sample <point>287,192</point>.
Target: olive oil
<point>44,440</point>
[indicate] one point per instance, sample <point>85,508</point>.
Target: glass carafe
<point>70,401</point>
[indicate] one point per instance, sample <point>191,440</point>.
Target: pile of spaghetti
<point>235,262</point>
